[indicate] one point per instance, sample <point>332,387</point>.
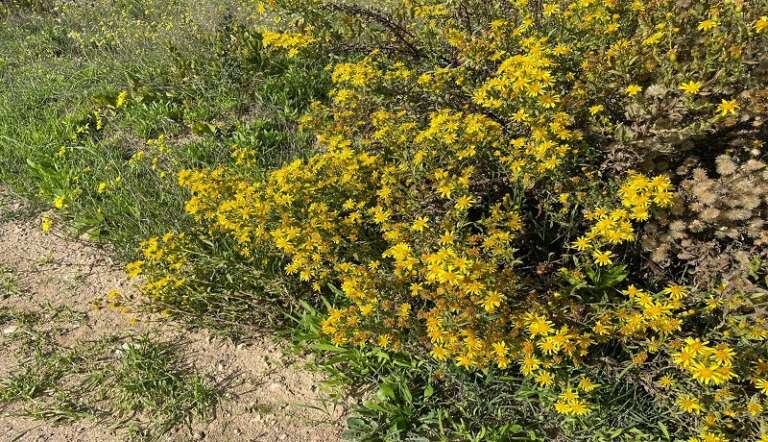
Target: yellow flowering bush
<point>293,42</point>
<point>475,194</point>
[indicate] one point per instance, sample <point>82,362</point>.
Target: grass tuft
<point>141,386</point>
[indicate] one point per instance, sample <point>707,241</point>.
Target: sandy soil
<point>271,398</point>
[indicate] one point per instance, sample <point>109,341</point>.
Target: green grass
<point>152,379</point>
<point>8,286</point>
<point>194,81</point>
<point>142,386</point>
<point>197,83</point>
<point>136,384</point>
<point>194,73</point>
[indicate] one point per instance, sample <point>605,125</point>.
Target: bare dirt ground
<point>272,398</point>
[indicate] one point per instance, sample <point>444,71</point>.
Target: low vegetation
<point>141,386</point>
<point>496,220</point>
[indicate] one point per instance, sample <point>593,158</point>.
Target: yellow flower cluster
<point>638,195</point>
<point>523,89</point>
<point>707,365</point>
<point>167,252</point>
<point>290,41</point>
<point>569,403</point>
<point>423,199</point>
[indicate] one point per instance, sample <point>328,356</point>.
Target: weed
<point>8,286</point>
<point>142,385</point>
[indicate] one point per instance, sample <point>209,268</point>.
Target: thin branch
<point>396,29</point>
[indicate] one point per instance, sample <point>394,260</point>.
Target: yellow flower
<point>579,408</point>
<point>761,24</point>
<point>404,311</point>
<point>492,301</point>
<point>684,358</point>
<point>587,385</point>
<point>708,24</point>
<point>113,295</point>
<point>500,348</point>
<point>544,378</point>
<point>640,358</point>
<point>538,325</point>
<point>383,341</point>
<point>58,202</point>
<point>439,352</point>
<point>691,87</point>
<point>633,90</point>
<point>696,346</point>
<point>46,224</point>
<point>666,381</point>
<point>762,385</point>
<point>102,187</point>
<point>569,395</point>
<point>581,244</point>
<point>134,269</point>
<point>419,224</point>
<point>689,404</point>
<point>707,436</point>
<point>663,199</point>
<point>563,407</point>
<point>596,109</point>
<point>676,292</point>
<point>601,329</point>
<point>463,203</point>
<point>286,40</point>
<point>723,355</point>
<point>704,374</point>
<point>725,374</point>
<point>120,100</point>
<point>727,107</point>
<point>366,309</point>
<point>445,190</point>
<point>529,365</point>
<point>464,361</point>
<point>602,258</point>
<point>549,346</point>
<point>551,10</point>
<point>570,404</point>
<point>653,38</point>
<point>754,407</point>
<point>632,291</point>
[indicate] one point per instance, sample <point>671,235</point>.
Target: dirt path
<point>271,397</point>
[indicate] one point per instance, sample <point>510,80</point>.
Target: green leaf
<point>386,392</point>
<point>406,393</point>
<point>664,429</point>
<point>428,391</point>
